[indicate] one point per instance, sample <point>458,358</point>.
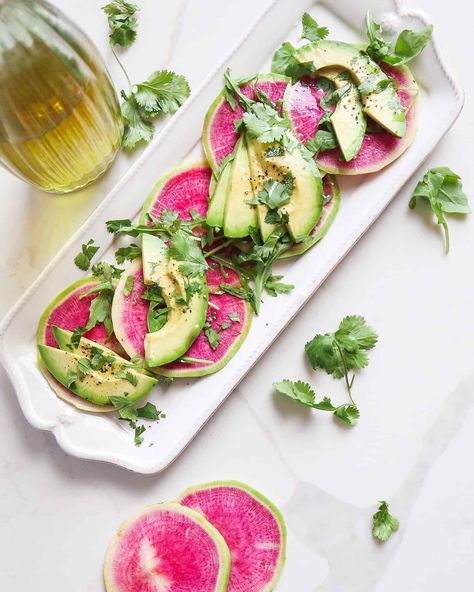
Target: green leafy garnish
<point>138,440</point>
<point>185,249</point>
<point>384,524</point>
<point>149,411</point>
<point>127,375</point>
<point>99,358</point>
<point>274,286</point>
<point>347,413</point>
<point>122,22</point>
<point>83,366</point>
<point>273,151</point>
<point>71,378</point>
<point>286,63</point>
<point>265,124</point>
<point>372,85</point>
<point>129,253</point>
<point>344,350</point>
<point>213,337</point>
<point>128,287</point>
<point>137,127</point>
<point>162,92</point>
<point>131,414</point>
<point>322,141</point>
<point>442,188</point>
<point>311,30</point>
<point>408,45</point>
<point>84,258</point>
<point>234,317</point>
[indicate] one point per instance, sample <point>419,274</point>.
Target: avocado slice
<point>348,120</point>
<point>215,212</point>
<point>238,215</point>
<point>154,257</point>
<point>384,107</point>
<point>96,386</point>
<point>184,320</point>
<point>306,202</point>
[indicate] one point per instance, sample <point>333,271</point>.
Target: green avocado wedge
<point>383,104</point>
<point>97,386</point>
<point>239,216</point>
<point>215,211</point>
<point>348,120</point>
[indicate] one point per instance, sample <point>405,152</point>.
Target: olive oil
<point>60,122</point>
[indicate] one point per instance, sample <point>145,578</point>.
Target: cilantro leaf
<point>311,30</point>
<point>185,249</point>
<point>372,85</point>
<point>157,316</point>
<point>274,287</point>
<point>265,123</point>
<point>299,391</point>
<point>138,440</point>
<point>71,378</point>
<point>322,141</point>
<point>408,45</point>
<point>149,411</point>
<point>137,127</point>
<point>234,317</point>
<point>213,337</point>
<point>129,253</point>
<point>122,22</point>
<point>383,523</point>
<point>83,366</point>
<point>286,63</point>
<point>99,358</point>
<point>347,413</point>
<point>127,375</point>
<point>344,350</point>
<point>84,258</point>
<point>442,188</point>
<point>162,92</point>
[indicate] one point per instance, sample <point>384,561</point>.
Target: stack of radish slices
<point>217,537</point>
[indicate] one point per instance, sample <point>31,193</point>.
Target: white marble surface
<point>416,432</point>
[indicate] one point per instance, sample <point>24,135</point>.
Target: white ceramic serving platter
<point>190,403</point>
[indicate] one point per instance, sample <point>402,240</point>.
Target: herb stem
<point>189,360</point>
<point>346,374</point>
<point>219,248</point>
<point>228,263</point>
<point>122,67</point>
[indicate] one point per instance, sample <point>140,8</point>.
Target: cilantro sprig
<point>408,45</point>
<point>161,93</point>
<point>131,414</point>
<point>442,189</point>
<point>337,353</point>
<point>84,258</point>
<point>383,523</point>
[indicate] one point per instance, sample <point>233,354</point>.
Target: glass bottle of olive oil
<point>60,122</point>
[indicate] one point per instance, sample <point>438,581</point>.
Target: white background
<point>414,440</point>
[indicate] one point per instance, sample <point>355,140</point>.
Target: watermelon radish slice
<point>219,136</point>
<point>129,317</point>
<point>330,210</point>
<point>181,189</point>
<point>167,548</point>
<point>252,527</point>
<point>380,148</point>
<point>68,311</point>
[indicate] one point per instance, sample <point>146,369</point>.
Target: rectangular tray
<point>190,403</point>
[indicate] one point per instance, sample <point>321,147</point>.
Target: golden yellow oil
<point>60,124</point>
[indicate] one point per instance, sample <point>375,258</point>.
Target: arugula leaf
<point>286,63</point>
<point>383,523</point>
<point>184,248</point>
<point>442,188</point>
<point>408,45</point>
<point>347,413</point>
<point>162,92</point>
<point>129,253</point>
<point>122,22</point>
<point>137,128</point>
<point>311,30</point>
<point>84,258</point>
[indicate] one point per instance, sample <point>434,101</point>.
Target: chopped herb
<point>139,430</point>
<point>185,249</point>
<point>286,63</point>
<point>83,366</point>
<point>84,258</point>
<point>71,378</point>
<point>157,316</point>
<point>322,141</point>
<point>213,337</point>
<point>383,523</point>
<point>127,375</point>
<point>149,411</point>
<point>372,85</point>
<point>234,317</point>
<point>274,287</point>
<point>99,358</point>
<point>273,151</point>
<point>162,92</point>
<point>442,188</point>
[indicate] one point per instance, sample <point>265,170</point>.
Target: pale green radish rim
<point>215,535</point>
<point>265,502</point>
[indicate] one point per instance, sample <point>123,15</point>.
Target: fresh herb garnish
<point>213,337</point>
<point>408,45</point>
<point>129,413</point>
<point>383,523</point>
<point>311,30</point>
<point>83,367</point>
<point>100,358</point>
<point>322,141</point>
<point>442,188</point>
<point>84,258</point>
<point>71,378</point>
<point>185,249</point>
<point>129,253</point>
<point>125,374</point>
<point>286,63</point>
<point>137,439</point>
<point>128,287</point>
<point>163,92</point>
<point>122,22</point>
<point>234,317</point>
